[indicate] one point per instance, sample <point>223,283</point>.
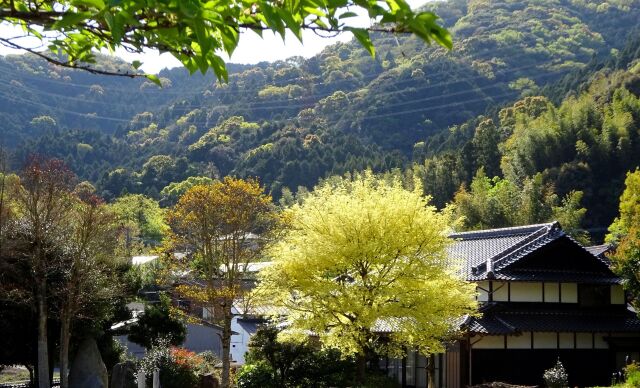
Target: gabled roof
<point>492,253</point>
<point>601,251</point>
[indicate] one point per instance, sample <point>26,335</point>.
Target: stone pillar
<point>156,378</point>
<point>141,380</point>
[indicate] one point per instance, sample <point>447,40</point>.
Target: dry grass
<point>500,385</point>
<point>12,374</point>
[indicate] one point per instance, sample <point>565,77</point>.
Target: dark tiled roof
<point>557,276</point>
<point>489,325</point>
<point>599,250</point>
<point>554,320</point>
<point>486,254</point>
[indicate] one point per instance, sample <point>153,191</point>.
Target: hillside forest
<point>534,115</point>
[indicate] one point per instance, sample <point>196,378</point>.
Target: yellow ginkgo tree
<point>363,266</point>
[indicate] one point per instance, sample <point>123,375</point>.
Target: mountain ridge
<point>293,122</point>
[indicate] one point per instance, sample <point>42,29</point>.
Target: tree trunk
<point>431,371</point>
<point>65,336</point>
<point>361,366</point>
<point>226,346</point>
<point>43,349</point>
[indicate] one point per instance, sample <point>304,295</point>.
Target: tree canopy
<point>196,32</point>
<point>219,224</point>
<point>363,257</point>
<point>629,208</point>
<point>156,323</point>
<point>625,232</point>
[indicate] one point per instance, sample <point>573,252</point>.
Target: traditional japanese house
<point>543,297</point>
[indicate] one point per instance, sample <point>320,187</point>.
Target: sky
<point>251,49</point>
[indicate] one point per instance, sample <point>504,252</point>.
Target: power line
<point>126,90</point>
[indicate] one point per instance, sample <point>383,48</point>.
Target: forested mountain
<point>541,93</point>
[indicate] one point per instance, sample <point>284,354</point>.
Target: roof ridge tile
<point>501,232</point>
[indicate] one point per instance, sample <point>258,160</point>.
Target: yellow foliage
<point>366,254</point>
<point>217,224</point>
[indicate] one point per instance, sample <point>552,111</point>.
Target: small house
<point>543,297</point>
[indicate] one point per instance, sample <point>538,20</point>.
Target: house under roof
<point>543,297</point>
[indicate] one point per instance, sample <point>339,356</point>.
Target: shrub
<point>379,380</point>
<point>186,358</point>
<point>632,374</point>
<point>258,375</point>
<point>556,377</point>
<point>273,363</point>
<point>177,366</point>
<point>157,322</point>
<point>208,366</point>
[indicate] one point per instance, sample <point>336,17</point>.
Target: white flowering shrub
<point>556,377</point>
<point>157,357</point>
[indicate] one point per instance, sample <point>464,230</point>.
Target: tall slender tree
<point>222,225</point>
<point>89,262</point>
<point>42,201</point>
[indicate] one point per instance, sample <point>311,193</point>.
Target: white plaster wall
<point>488,342</point>
<point>566,340</point>
<point>500,292</point>
<point>584,341</point>
<point>599,342</point>
<point>569,292</point>
<point>481,289</point>
<point>545,340</point>
<point>552,292</point>
<point>519,341</point>
<point>526,292</point>
<point>617,294</point>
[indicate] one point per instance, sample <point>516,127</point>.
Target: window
<point>590,295</point>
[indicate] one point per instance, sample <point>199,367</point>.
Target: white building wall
<point>569,292</point>
<point>482,288</point>
<point>488,342</point>
<point>566,340</point>
<point>584,341</point>
<point>617,294</point>
<point>526,292</point>
<point>599,342</point>
<point>243,330</point>
<point>500,291</point>
<point>552,292</point>
<point>239,341</point>
<point>542,340</point>
<point>545,340</point>
<point>519,341</point>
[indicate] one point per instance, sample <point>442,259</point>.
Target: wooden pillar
<point>470,376</point>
